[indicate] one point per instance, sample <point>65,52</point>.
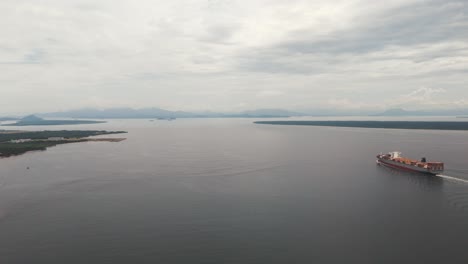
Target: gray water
<point>229,191</point>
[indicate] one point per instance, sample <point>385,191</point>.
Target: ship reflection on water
<point>424,180</point>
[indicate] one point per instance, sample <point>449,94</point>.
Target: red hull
<point>402,168</point>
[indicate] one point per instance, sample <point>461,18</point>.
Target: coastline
<point>421,125</point>
<point>14,143</point>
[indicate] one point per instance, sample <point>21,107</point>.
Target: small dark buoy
<point>27,168</point>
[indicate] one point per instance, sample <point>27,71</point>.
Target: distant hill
<point>162,113</point>
<point>263,113</point>
<point>32,120</point>
<point>120,113</point>
<point>398,112</point>
<point>425,125</point>
<point>442,112</point>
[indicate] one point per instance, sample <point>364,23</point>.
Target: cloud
<point>427,98</point>
<point>102,103</point>
<point>461,103</point>
<point>220,55</point>
<point>346,104</point>
<point>34,56</point>
<point>417,36</point>
<point>269,93</point>
<point>407,23</point>
<point>423,93</point>
<point>420,96</point>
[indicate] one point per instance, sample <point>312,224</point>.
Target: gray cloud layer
<point>233,55</point>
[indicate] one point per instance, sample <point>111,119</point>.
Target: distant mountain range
<point>402,112</point>
<point>162,113</point>
<point>153,113</point>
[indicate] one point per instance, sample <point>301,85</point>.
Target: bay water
<point>230,191</point>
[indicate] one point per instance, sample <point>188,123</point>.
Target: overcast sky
<point>228,55</point>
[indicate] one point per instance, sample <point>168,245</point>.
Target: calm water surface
<point>229,191</point>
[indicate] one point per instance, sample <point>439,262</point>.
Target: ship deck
<point>431,167</point>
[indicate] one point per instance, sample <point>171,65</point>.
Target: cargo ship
<point>395,160</point>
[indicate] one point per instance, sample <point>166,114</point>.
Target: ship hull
<point>405,167</point>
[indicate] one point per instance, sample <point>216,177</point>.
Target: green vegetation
<point>429,125</point>
<point>15,135</point>
<point>41,140</point>
<point>11,149</point>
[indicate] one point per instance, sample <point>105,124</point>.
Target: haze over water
<point>229,191</point>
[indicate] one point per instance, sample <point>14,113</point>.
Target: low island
<point>33,120</point>
<point>16,142</point>
<point>427,125</point>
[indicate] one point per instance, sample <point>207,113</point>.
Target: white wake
<point>452,178</point>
